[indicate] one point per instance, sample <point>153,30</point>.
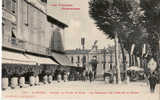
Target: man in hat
<point>152,82</point>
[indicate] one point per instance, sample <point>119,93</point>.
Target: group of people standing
<point>89,75</point>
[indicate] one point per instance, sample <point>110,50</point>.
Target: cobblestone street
<point>83,90</point>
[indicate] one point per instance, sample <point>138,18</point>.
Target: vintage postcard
<point>80,50</point>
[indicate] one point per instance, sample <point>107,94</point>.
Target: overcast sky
<point>80,24</point>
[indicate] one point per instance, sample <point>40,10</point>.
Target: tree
<point>120,20</point>
<point>152,24</point>
<point>110,16</point>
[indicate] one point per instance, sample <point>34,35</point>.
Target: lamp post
<point>83,43</point>
<point>83,48</point>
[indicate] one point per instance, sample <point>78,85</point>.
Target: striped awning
<point>9,57</point>
<point>62,59</point>
<point>42,60</point>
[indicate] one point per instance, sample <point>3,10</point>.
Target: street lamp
<point>83,48</point>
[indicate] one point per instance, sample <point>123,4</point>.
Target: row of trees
<point>134,24</point>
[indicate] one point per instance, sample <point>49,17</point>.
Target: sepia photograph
<point>80,49</point>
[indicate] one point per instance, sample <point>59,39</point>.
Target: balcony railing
<point>15,43</point>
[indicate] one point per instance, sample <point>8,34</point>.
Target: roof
<point>76,51</point>
<point>62,59</point>
<point>55,21</point>
<point>80,51</point>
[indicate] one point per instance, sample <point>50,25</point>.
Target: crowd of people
<point>74,75</point>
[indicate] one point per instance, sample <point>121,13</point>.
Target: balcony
<point>18,44</point>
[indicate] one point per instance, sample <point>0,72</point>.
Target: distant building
<point>104,57</point>
<point>83,58</point>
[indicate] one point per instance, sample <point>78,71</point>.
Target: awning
<point>9,57</point>
<point>62,59</point>
<point>42,60</point>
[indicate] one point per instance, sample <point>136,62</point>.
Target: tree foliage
<point>151,19</point>
<point>124,17</point>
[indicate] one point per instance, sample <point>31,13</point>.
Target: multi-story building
<point>105,59</point>
<point>83,58</point>
<point>30,36</point>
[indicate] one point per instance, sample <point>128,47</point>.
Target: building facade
<point>83,58</point>
<point>105,59</point>
<point>32,40</point>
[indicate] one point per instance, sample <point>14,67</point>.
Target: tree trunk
<point>138,62</point>
<point>124,58</point>
<point>133,60</point>
<point>158,62</point>
<point>116,59</point>
<point>131,55</point>
<point>141,62</point>
<point>130,59</point>
<point>159,44</point>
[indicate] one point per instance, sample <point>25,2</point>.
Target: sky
<point>79,22</point>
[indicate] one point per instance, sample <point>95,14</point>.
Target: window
<point>72,60</point>
<point>25,13</point>
<point>8,4</point>
<point>14,6</point>
<point>78,58</point>
<point>111,67</point>
<point>3,3</point>
<point>84,59</point>
<point>95,57</point>
<point>57,40</point>
<point>13,36</point>
<point>3,28</point>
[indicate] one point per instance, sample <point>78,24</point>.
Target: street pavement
<point>78,90</point>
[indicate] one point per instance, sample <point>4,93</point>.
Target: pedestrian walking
<point>94,75</point>
<point>90,76</point>
<point>152,65</point>
<point>152,82</point>
<point>86,76</point>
